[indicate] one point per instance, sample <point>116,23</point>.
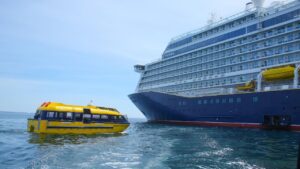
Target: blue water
<point>147,145</point>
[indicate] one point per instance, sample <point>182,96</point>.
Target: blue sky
<point>75,51</point>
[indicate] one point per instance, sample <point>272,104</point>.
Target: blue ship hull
<point>272,109</point>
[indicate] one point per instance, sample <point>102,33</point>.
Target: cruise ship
<point>241,71</point>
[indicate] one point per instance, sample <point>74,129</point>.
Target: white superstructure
<point>228,53</point>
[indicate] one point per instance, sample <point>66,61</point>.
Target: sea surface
<point>146,145</point>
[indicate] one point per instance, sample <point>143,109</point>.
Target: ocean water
<point>146,145</point>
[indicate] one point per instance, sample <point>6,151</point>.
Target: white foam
<point>243,164</point>
<point>221,152</point>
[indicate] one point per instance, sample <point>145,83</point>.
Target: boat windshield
<point>37,114</point>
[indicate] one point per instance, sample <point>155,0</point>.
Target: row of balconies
<point>219,55</point>
<point>195,77</point>
<point>227,46</point>
<point>218,64</point>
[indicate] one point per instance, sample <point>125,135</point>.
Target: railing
<point>273,9</point>
<point>283,5</point>
<point>237,54</point>
<point>228,91</point>
<point>283,85</point>
<point>220,22</point>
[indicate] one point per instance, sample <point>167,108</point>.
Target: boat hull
<point>57,127</point>
<point>251,110</point>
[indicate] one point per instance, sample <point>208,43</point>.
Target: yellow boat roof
<point>60,107</point>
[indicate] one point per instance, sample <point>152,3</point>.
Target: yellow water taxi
<point>59,118</point>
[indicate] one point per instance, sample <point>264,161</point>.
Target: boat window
<point>87,116</point>
<point>238,100</point>
<point>114,117</point>
<point>37,114</point>
<point>199,101</point>
<point>69,116</point>
<point>78,117</point>
<point>43,115</point>
<point>96,117</point>
<point>104,117</point>
<point>50,115</point>
<point>230,100</point>
<point>61,115</point>
<point>224,100</point>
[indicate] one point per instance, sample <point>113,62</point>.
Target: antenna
<point>212,19</point>
<point>249,6</point>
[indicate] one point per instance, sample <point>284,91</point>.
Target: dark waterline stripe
<point>222,124</point>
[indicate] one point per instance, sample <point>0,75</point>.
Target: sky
<point>75,51</point>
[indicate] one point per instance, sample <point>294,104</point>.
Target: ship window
<point>212,101</point>
<point>217,101</point>
<point>205,101</point>
<point>230,100</point>
<point>255,99</point>
<point>238,100</point>
<point>199,101</point>
<point>183,103</point>
<point>224,100</point>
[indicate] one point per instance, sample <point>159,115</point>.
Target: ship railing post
<point>296,76</point>
<point>259,81</point>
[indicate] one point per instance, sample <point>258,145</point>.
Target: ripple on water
<point>242,164</point>
<point>148,146</point>
<point>213,153</point>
